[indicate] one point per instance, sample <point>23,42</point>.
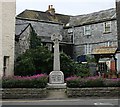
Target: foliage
<point>81,70</point>
<point>66,65</point>
<point>70,67</point>
<point>40,60</point>
<point>112,82</point>
<point>24,66</point>
<point>36,81</point>
<point>76,82</point>
<point>90,58</point>
<point>34,61</point>
<point>35,41</point>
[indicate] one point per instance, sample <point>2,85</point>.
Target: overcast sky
<point>68,7</point>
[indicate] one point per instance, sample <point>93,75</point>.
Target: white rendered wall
<point>8,34</point>
<point>1,60</point>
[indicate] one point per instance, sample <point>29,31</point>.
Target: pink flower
<point>30,77</point>
<point>72,78</point>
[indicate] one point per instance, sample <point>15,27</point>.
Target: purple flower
<point>92,78</point>
<point>30,77</point>
<point>72,78</point>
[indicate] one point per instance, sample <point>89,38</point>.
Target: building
<point>45,24</point>
<point>95,34</point>
<point>90,34</point>
<point>118,31</point>
<point>7,32</point>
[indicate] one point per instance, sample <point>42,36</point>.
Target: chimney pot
<point>51,10</point>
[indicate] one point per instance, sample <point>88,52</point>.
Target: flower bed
<point>77,82</point>
<point>36,81</point>
<point>92,87</point>
<point>18,87</point>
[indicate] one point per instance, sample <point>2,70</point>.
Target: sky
<point>67,7</point>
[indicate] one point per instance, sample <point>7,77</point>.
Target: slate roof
<point>44,16</point>
<point>69,21</point>
<point>93,17</point>
<point>20,29</point>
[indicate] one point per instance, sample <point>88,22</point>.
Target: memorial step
<point>56,94</point>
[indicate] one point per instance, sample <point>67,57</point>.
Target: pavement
<point>81,102</point>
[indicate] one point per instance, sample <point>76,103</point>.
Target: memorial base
<point>56,86</point>
<point>56,77</point>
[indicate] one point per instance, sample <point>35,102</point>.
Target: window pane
<point>87,30</point>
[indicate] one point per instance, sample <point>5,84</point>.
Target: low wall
<point>94,92</point>
<point>21,93</point>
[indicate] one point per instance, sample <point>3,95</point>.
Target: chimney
<point>51,10</point>
<point>118,21</point>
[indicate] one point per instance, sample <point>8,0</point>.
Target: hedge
<point>77,82</point>
<point>36,81</point>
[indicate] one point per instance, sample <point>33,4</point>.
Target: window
<point>107,27</point>
<point>88,49</point>
<point>49,46</point>
<point>102,67</point>
<point>5,65</point>
<point>87,30</point>
<point>71,35</point>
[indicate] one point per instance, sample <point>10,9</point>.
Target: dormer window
<point>107,27</point>
<point>87,30</point>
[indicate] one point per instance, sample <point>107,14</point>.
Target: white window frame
<point>71,34</point>
<point>106,26</point>
<point>87,30</point>
<point>88,49</point>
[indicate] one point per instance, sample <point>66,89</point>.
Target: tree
<point>35,41</point>
<point>38,60</point>
<point>34,61</point>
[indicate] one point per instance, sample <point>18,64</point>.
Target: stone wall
<point>97,37</point>
<point>23,43</point>
<point>21,93</point>
<point>94,92</point>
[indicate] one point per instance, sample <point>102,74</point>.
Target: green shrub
<point>76,82</point>
<point>73,82</point>
<point>94,82</point>
<point>34,61</point>
<point>40,60</point>
<point>81,70</point>
<point>70,67</point>
<point>112,82</point>
<point>36,81</point>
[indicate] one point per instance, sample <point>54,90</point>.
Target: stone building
<point>45,24</point>
<point>118,31</point>
<point>90,34</point>
<point>7,32</point>
<point>95,34</point>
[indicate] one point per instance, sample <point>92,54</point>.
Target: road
<point>63,103</point>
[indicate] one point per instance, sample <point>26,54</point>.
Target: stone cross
<point>56,76</point>
<point>56,39</point>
